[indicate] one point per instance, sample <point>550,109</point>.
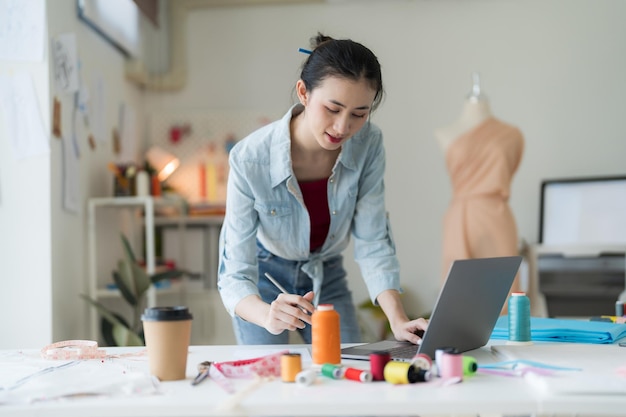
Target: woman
<point>298,189</point>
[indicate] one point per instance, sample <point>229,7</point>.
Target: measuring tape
<point>72,350</point>
<point>263,366</point>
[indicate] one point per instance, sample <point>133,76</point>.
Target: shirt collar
<point>280,147</point>
<point>280,152</point>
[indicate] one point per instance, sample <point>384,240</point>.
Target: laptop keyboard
<point>403,352</point>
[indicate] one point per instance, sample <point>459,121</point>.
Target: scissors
<point>203,372</point>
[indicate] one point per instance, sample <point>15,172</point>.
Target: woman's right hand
<point>289,312</point>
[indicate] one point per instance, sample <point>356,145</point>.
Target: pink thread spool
<point>451,366</point>
<point>422,361</point>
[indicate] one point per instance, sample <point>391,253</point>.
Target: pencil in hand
<point>281,288</point>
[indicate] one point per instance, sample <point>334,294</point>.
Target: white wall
<point>25,258</point>
<point>554,68</point>
<point>43,248</point>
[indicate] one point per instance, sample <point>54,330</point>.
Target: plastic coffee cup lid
<point>166,314</point>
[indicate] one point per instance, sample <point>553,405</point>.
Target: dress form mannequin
<point>475,111</point>
<point>482,154</point>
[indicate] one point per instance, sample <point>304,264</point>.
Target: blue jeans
<point>288,273</point>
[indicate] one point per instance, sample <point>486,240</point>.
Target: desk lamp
<point>163,162</point>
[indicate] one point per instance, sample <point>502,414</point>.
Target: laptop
<point>465,313</point>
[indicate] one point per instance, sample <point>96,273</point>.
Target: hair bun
<point>320,39</point>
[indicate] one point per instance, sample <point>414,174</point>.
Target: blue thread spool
<point>519,319</point>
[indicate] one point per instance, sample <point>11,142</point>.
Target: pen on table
<point>281,288</point>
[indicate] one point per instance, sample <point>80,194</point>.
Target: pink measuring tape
<point>263,366</point>
<point>72,350</point>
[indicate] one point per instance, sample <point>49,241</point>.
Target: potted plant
<point>133,282</point>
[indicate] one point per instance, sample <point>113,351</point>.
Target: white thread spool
<point>305,377</point>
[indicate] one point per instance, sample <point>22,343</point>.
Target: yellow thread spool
<point>397,372</point>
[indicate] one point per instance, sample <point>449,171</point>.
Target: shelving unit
<point>210,226</point>
<point>149,205</point>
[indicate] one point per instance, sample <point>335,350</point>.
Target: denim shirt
<point>265,203</point>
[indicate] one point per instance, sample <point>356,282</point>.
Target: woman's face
<point>336,109</point>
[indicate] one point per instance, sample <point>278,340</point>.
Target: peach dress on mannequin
<point>481,163</point>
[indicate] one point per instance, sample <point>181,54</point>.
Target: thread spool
<point>439,357</point>
<point>422,361</point>
<point>290,366</point>
<point>378,360</point>
<point>423,375</point>
<point>360,375</point>
<point>451,366</point>
<point>470,366</point>
<point>306,377</point>
<point>325,335</point>
<point>519,319</point>
<point>333,371</point>
<point>397,372</point>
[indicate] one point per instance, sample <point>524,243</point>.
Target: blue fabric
<point>565,330</point>
<point>265,204</point>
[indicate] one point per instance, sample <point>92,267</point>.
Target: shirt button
<point>332,180</point>
<point>273,212</point>
<point>334,212</point>
<point>332,237</point>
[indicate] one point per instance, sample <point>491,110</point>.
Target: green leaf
<point>120,281</point>
<point>128,249</point>
<point>106,328</point>
<point>103,311</point>
<point>123,336</point>
<point>127,282</point>
<point>137,280</point>
<point>141,280</point>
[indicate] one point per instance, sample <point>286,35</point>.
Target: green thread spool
<point>469,365</point>
<point>519,318</point>
<point>332,371</point>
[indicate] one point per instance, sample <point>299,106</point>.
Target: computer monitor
<point>583,211</point>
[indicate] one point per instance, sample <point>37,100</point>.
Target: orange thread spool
<point>290,366</point>
<point>326,335</point>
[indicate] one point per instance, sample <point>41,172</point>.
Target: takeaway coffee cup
<point>167,331</point>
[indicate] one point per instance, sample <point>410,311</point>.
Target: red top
<point>316,201</point>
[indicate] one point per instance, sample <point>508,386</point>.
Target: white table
<point>480,394</point>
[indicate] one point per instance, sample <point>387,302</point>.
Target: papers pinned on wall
<point>22,24</point>
<point>65,62</point>
<point>22,117</point>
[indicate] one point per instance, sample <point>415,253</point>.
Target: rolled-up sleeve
<point>238,267</point>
